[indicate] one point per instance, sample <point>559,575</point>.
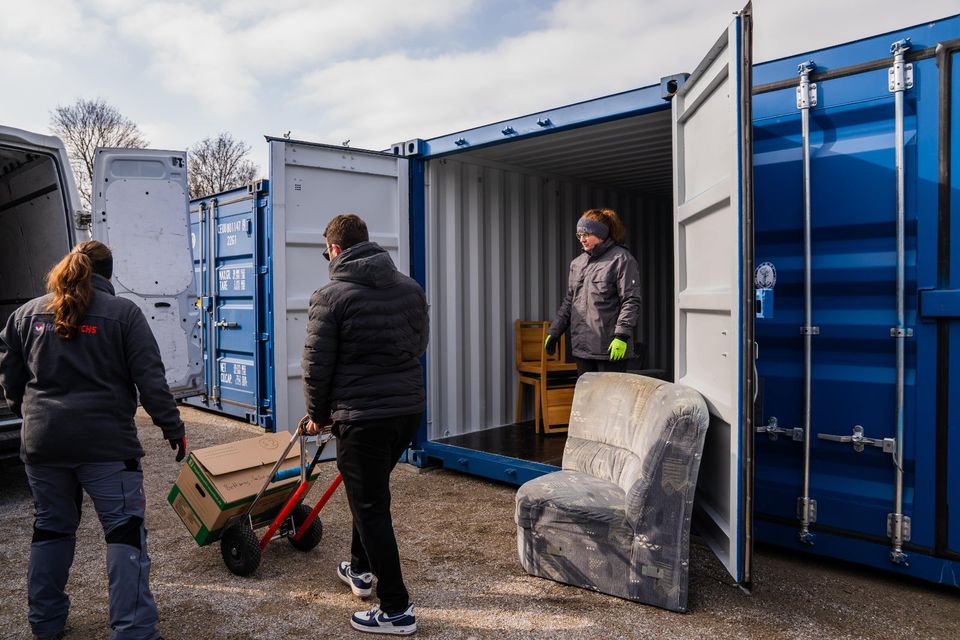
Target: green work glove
<point>617,349</point>
<point>550,345</point>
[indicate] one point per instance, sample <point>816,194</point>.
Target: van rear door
<point>713,235</point>
<point>140,209</point>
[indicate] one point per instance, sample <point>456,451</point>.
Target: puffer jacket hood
<point>366,263</point>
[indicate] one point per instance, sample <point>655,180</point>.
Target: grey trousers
<point>116,489</point>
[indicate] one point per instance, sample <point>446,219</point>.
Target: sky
<point>375,72</point>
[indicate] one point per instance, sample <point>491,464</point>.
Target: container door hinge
<point>263,337</point>
<point>806,91</point>
<point>901,332</point>
<point>263,270</point>
<point>900,75</point>
<point>807,515</point>
<point>892,520</point>
<point>859,441</point>
<point>809,331</point>
<point>774,432</point>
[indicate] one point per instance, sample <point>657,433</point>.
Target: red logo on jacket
<point>88,328</point>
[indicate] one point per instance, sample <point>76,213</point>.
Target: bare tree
<point>86,125</point>
<point>218,164</point>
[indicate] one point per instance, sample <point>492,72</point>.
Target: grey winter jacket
<point>366,331</point>
<point>78,397</point>
<point>602,302</point>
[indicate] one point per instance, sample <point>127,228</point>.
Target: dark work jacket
<point>602,302</point>
<point>78,397</point>
<point>366,331</point>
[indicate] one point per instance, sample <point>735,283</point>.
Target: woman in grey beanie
<point>602,305</point>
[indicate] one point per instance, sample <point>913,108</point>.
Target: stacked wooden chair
<point>551,377</point>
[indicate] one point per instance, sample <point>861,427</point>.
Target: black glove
<point>180,444</point>
<point>550,345</point>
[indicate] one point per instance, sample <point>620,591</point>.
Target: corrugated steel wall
<point>499,243</point>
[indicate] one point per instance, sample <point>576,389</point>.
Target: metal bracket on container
<point>806,90</point>
<point>811,331</point>
<point>461,142</point>
<point>859,441</point>
<point>808,505</point>
<point>901,332</point>
<point>892,519</point>
<point>774,431</point>
<point>900,75</point>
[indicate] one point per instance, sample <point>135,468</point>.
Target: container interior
<point>33,229</point>
<point>501,227</point>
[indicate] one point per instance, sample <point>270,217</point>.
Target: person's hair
<point>70,282</point>
<point>346,230</point>
<point>610,218</point>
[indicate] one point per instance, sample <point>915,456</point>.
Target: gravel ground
<point>458,544</point>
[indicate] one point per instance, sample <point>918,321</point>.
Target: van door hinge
<point>83,220</point>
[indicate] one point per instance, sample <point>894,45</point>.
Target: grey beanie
<point>595,227</point>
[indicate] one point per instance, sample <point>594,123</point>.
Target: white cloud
<point>221,56</point>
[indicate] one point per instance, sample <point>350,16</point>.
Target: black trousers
<point>600,366</point>
<point>367,451</point>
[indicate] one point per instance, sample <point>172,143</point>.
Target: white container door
<point>140,210</point>
<point>311,184</point>
<point>713,253</point>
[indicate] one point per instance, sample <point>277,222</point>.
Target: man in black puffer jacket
<point>362,378</point>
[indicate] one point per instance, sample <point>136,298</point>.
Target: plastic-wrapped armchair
<point>616,518</point>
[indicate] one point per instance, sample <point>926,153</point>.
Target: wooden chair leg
<point>519,413</point>
<point>537,404</point>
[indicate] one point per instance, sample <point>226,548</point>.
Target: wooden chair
<point>553,378</point>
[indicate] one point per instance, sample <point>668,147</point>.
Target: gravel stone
<point>458,546</point>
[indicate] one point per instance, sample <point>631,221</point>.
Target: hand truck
<point>239,545</point>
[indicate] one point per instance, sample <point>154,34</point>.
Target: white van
<point>139,210</point>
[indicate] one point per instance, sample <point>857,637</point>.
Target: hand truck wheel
<point>311,537</point>
<point>240,549</point>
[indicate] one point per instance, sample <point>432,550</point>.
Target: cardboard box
<point>218,483</point>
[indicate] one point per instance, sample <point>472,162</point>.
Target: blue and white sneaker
<point>376,621</point>
<point>360,583</point>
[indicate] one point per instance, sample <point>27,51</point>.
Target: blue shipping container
<point>485,219</point>
<point>234,290</point>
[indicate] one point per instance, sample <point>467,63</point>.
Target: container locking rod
<point>900,78</point>
<point>807,98</point>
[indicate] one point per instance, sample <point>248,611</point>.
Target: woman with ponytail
<point>602,305</point>
<point>73,364</point>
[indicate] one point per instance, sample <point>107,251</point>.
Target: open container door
<point>713,233</point>
<point>311,184</point>
<point>140,210</point>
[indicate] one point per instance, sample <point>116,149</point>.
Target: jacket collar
<point>601,248</point>
<point>102,284</point>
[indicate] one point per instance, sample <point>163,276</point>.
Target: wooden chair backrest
<point>529,336</point>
